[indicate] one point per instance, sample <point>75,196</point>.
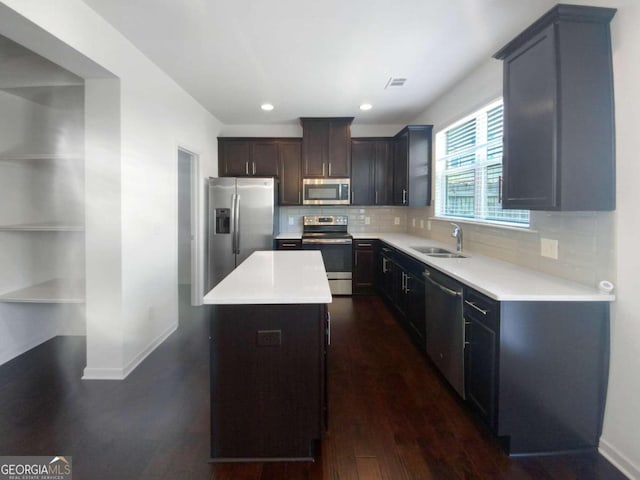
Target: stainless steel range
<point>328,234</point>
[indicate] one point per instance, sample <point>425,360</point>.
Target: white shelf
<point>42,227</point>
<point>52,291</point>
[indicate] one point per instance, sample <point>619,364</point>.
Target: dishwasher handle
<point>448,291</point>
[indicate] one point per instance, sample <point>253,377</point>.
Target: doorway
<point>188,268</point>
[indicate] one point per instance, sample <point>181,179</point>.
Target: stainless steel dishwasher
<point>445,326</point>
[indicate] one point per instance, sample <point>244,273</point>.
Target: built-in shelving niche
<point>42,227</point>
<point>42,240</point>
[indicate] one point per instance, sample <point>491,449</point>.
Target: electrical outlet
<point>367,220</point>
<point>413,222</point>
<point>396,221</point>
<point>421,223</point>
<point>291,220</point>
<point>549,248</point>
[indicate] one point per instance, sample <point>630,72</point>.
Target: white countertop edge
<point>272,301</point>
<point>289,236</point>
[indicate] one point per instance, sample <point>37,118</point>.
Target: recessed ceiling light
<point>267,107</point>
<point>366,106</point>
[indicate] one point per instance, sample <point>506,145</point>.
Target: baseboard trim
<point>619,460</point>
<point>16,352</point>
<point>122,373</point>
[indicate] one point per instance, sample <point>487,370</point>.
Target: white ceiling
<point>318,57</point>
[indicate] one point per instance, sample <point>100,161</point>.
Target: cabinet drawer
<point>482,308</point>
<point>289,244</point>
<point>364,244</point>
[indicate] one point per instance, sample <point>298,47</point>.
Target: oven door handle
<point>327,241</point>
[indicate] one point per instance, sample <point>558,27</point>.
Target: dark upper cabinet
<point>234,157</point>
<point>412,166</point>
<point>247,157</point>
<point>559,121</point>
<point>289,172</point>
<point>264,158</point>
<point>371,171</point>
<point>326,147</point>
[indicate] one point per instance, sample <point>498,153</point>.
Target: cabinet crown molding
<point>559,13</point>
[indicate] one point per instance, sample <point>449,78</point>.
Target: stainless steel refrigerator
<point>243,218</point>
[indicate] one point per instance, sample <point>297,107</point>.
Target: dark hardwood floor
<point>391,416</point>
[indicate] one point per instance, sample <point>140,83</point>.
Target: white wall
<point>621,437</point>
<point>155,117</point>
<point>620,440</point>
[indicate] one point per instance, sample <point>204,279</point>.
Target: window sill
<point>485,223</point>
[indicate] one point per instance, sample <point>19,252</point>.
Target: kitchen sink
<point>446,255</point>
<point>431,250</point>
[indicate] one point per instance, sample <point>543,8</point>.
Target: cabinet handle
<point>323,169</point>
<point>476,307</point>
<point>246,168</point>
<point>352,196</point>
<point>254,167</point>
<point>328,328</point>
<point>299,197</point>
<point>500,189</point>
<point>329,168</point>
<point>364,244</point>
<point>404,196</point>
<point>376,200</point>
<point>384,265</point>
<point>288,245</point>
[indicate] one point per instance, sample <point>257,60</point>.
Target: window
<point>469,169</point>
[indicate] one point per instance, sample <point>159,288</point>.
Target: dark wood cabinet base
<point>267,368</point>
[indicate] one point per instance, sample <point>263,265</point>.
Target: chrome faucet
<point>457,234</point>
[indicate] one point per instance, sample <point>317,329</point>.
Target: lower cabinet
<point>482,339</point>
<point>363,267</point>
<point>399,282</point>
<point>535,372</point>
<point>255,412</point>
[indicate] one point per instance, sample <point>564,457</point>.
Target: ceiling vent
<point>395,82</point>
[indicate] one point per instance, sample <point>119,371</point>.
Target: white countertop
<point>497,279</point>
<point>274,277</point>
<point>289,236</point>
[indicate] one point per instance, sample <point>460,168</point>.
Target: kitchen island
<point>268,351</point>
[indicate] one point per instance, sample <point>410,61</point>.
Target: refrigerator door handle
<point>236,227</point>
<point>233,223</point>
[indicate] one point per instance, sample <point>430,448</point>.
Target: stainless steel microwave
<point>326,191</point>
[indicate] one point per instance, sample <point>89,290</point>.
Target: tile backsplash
<point>361,219</point>
<point>585,242</point>
<point>585,239</point>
